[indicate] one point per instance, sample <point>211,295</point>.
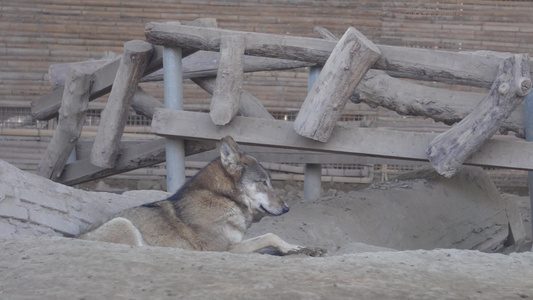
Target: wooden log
<point>194,66</point>
<point>348,63</point>
<point>107,142</point>
<point>58,73</point>
<point>249,105</point>
<point>468,68</point>
<point>46,107</point>
<point>71,120</point>
<point>256,44</point>
<point>205,64</point>
<point>450,149</point>
<point>408,98</point>
<point>144,104</point>
<point>345,139</point>
<point>131,158</point>
<point>228,87</point>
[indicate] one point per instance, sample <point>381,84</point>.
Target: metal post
<point>313,172</point>
<point>173,89</point>
<point>529,138</point>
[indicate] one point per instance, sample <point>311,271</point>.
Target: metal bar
<point>313,172</point>
<point>173,91</point>
<point>529,138</point>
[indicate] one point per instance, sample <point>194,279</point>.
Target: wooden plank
<point>131,158</point>
<point>345,139</point>
<point>71,120</point>
<point>449,149</point>
<point>469,68</point>
<point>353,55</point>
<point>228,87</point>
<point>134,60</point>
<point>408,98</point>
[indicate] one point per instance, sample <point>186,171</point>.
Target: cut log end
<point>524,86</point>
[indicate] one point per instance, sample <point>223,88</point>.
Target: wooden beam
<point>71,120</point>
<point>345,139</point>
<point>450,149</point>
<point>144,104</point>
<point>46,107</point>
<point>137,156</point>
<point>205,64</point>
<point>228,87</point>
<point>346,66</point>
<point>249,105</point>
<point>468,68</point>
<point>58,73</point>
<point>194,66</point>
<point>442,105</point>
<point>134,61</point>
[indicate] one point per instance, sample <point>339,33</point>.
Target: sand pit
<point>371,236</point>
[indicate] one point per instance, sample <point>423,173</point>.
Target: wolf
<point>210,212</point>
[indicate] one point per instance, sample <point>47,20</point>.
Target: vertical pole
<point>529,137</point>
<point>173,89</point>
<point>313,172</point>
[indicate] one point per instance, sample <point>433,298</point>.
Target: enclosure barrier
<point>353,68</point>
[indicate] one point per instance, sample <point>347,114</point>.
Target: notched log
<point>450,149</point>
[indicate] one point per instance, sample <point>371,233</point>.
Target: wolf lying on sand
<point>211,211</point>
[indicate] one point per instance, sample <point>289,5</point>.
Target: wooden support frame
<point>345,139</point>
<point>467,68</point>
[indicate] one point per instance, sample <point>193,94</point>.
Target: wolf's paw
<point>310,251</point>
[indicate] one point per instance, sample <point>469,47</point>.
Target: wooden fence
<point>345,75</point>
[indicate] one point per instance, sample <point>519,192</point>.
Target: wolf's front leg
<point>273,241</point>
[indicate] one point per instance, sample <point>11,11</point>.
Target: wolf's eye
<point>265,183</point>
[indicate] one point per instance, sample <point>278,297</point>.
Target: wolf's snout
<point>285,208</point>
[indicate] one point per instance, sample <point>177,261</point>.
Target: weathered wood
<point>46,107</point>
<point>442,105</point>
<point>144,104</point>
<point>348,63</point>
<point>131,158</point>
<point>205,64</point>
<point>107,142</point>
<point>325,34</point>
<point>345,139</point>
<point>476,69</point>
<point>58,73</point>
<point>194,66</point>
<point>256,44</point>
<point>249,106</point>
<point>228,87</point>
<point>71,120</point>
<point>450,149</point>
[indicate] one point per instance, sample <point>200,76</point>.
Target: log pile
<point>353,68</point>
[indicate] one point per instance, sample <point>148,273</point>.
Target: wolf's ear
<point>231,156</point>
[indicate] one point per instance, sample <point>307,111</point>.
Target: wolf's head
<point>251,179</point>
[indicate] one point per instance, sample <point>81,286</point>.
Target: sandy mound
<point>61,268</point>
<point>359,229</point>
